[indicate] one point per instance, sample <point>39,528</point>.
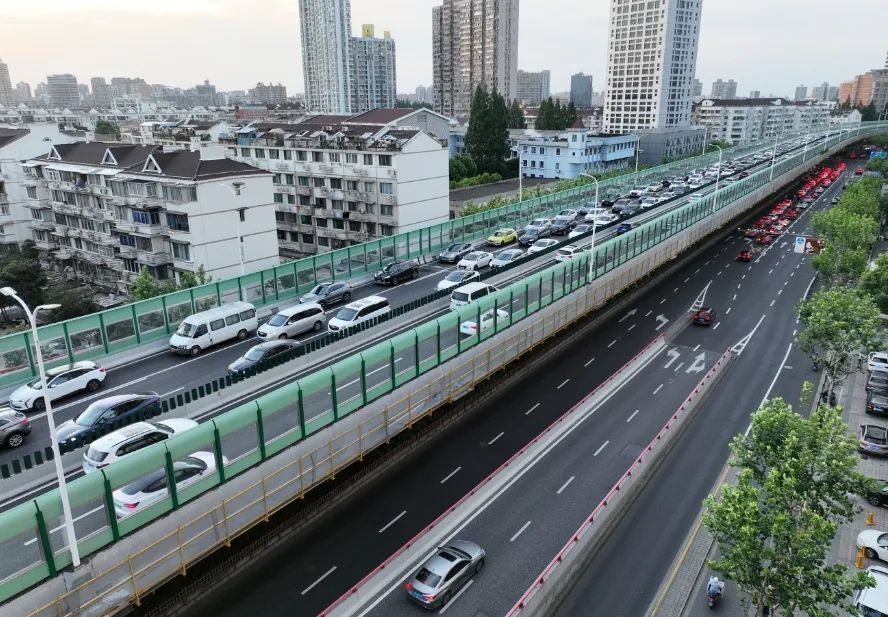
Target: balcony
<point>392,173</point>
<point>44,225</point>
<point>356,171</point>
<point>46,245</point>
<point>179,234</point>
<point>387,199</point>
<point>61,230</point>
<point>288,225</point>
<point>39,204</point>
<point>142,229</point>
<point>64,253</point>
<point>128,251</point>
<point>65,208</point>
<point>303,190</point>
<point>154,259</point>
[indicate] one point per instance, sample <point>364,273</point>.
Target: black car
<point>877,403</point>
<point>878,498</point>
<point>328,293</point>
<point>630,210</point>
<point>532,235</point>
<point>877,382</point>
<point>397,272</point>
<point>109,413</point>
<point>263,352</point>
<point>559,227</point>
<point>455,252</point>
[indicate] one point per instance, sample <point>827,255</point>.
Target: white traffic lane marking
<point>492,441</point>
<point>520,531</point>
<point>451,474</point>
<point>317,582</point>
<point>394,520</point>
<point>563,383</point>
<point>590,361</point>
<point>601,447</point>
<point>565,485</point>
<point>629,419</point>
<point>456,597</point>
<point>530,411</point>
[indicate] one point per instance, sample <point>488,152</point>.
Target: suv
<point>359,311</point>
<point>61,381</point>
<point>455,252</point>
<point>328,293</point>
<point>397,272</point>
<point>14,426</point>
<point>113,446</point>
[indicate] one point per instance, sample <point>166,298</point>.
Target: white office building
<point>107,210</point>
<point>748,121</point>
<point>344,180</point>
<point>6,91</point>
<point>566,154</point>
<point>326,29</point>
<point>534,87</point>
<point>651,61</point>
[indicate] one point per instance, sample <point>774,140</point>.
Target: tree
<point>840,267</point>
<point>401,103</point>
<point>848,237</point>
<point>189,280</point>
<point>839,323</point>
<point>487,136</point>
<point>875,282</point>
<point>516,116</point>
<point>26,277</point>
<point>72,304</point>
<point>868,113</point>
<point>103,127</point>
<point>144,286</point>
<point>775,526</point>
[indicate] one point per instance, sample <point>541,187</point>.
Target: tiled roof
<point>380,116</point>
<point>7,136</point>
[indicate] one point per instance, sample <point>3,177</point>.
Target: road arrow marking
<point>742,343</point>
<point>698,365</point>
<point>698,303</point>
<point>627,316</point>
<point>674,355</point>
<point>663,321</point>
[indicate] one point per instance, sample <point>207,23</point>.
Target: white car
<point>876,543</point>
<point>595,212</point>
<point>475,260</point>
<point>579,230</point>
<point>152,488</point>
<point>457,278</point>
<point>605,219</point>
<point>471,327</point>
<point>649,202</point>
<point>114,446</point>
<point>877,361</point>
<point>504,258</point>
<point>539,224</point>
<point>567,253</point>
<point>541,245</point>
<point>568,215</point>
<point>61,381</point>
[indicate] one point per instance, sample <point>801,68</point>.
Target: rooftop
<point>8,135</point>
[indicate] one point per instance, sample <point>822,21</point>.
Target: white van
<point>873,602</point>
<point>217,325</point>
<point>292,321</point>
<point>467,294</point>
<point>359,311</point>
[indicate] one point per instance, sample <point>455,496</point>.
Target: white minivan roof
<point>472,287</point>
<point>221,311</point>
<point>876,597</point>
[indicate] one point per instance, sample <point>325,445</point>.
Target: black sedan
<point>397,272</point>
<point>455,252</point>
<point>532,234</point>
<point>879,497</point>
<point>263,352</point>
<point>877,403</point>
<point>107,414</point>
<point>559,227</point>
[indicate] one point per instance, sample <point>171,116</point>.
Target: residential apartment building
<point>23,90</point>
<point>652,57</point>
<point>755,94</point>
<point>722,89</point>
<point>566,154</point>
<point>696,88</point>
<point>101,92</point>
<point>819,93</point>
<point>107,210</point>
<point>534,87</point>
<point>747,121</point>
<point>6,91</point>
<point>269,95</point>
<point>581,90</point>
<point>801,93</point>
<point>656,146</point>
<point>343,180</point>
<point>63,91</point>
<point>473,42</point>
<point>373,73</point>
<point>17,144</point>
<point>326,29</point>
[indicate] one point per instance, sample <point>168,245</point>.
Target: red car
<point>784,221</point>
<point>752,232</point>
<point>704,317</point>
<point>764,239</point>
<point>762,222</point>
<point>745,256</point>
<point>858,171</point>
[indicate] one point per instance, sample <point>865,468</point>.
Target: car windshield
<point>34,384</point>
<point>142,483</point>
<point>94,454</point>
<point>277,320</point>
<point>319,290</point>
<point>391,267</point>
<point>91,414</point>
<point>541,244</point>
<point>254,355</point>
<point>452,248</point>
<point>428,578</point>
<point>499,234</point>
<point>346,314</point>
<point>455,277</point>
<point>877,434</point>
<point>186,329</point>
<point>472,257</point>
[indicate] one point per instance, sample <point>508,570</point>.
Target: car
<point>877,382</point>
<point>877,361</point>
<point>532,234</point>
<point>455,252</point>
<point>538,224</point>
<point>292,321</point>
<point>622,204</point>
<point>872,439</point>
<point>487,321</point>
<point>764,239</point>
<point>703,317</point>
<point>61,381</point>
<point>326,294</point>
<point>105,412</point>
<point>504,258</point>
<point>604,219</point>
<point>151,488</point>
<point>560,227</point>
<point>858,171</point>
<point>503,236</point>
<point>117,444</point>
<point>649,202</point>
<point>456,278</point>
<point>594,213</point>
<point>874,543</point>
<point>541,245</point>
<point>624,228</point>
<point>445,573</point>
<point>475,261</point>
<point>566,253</point>
<point>263,352</point>
<point>877,403</point>
<point>630,210</point>
<point>744,256</point>
<point>752,232</point>
<point>579,230</point>
<point>835,200</point>
<point>14,427</point>
<point>878,497</point>
<point>397,272</point>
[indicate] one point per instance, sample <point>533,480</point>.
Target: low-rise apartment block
<point>747,121</point>
<point>106,210</point>
<point>566,154</point>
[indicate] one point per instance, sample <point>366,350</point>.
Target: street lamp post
<point>637,151</point>
<point>594,229</point>
<point>717,177</point>
<point>773,156</point>
<point>9,292</point>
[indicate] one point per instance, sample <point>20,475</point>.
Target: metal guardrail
<point>288,415</point>
<point>122,328</point>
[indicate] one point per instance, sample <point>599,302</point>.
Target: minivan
<point>467,294</point>
<point>211,327</point>
<point>873,602</point>
<point>359,311</point>
<point>292,321</point>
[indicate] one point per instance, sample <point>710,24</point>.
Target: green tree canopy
<point>26,277</point>
<point>487,135</point>
<point>72,304</point>
<point>516,116</point>
<point>104,127</point>
<point>144,286</point>
<point>875,282</point>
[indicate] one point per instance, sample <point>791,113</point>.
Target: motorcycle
<point>713,599</point>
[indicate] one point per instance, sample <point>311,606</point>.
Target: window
<point>387,230</point>
<point>291,199</point>
<point>217,324</point>
<point>351,185</point>
<point>260,153</point>
<point>127,240</point>
<point>368,159</point>
<point>371,208</point>
<point>321,203</point>
<point>335,183</point>
<point>305,219</point>
<point>245,152</point>
<point>319,182</point>
<point>308,239</point>
<point>386,209</point>
<point>32,192</point>
<point>321,222</point>
<point>354,226</point>
<point>303,181</point>
<point>180,193</point>
<point>369,186</point>
<point>301,156</point>
<point>288,179</point>
<point>317,157</point>
<point>181,251</point>
<point>334,157</point>
<point>322,241</point>
<point>278,198</point>
<point>371,228</point>
<point>338,224</point>
<point>385,188</point>
<point>177,222</point>
<point>231,320</point>
<point>274,154</point>
<point>351,158</point>
<point>276,179</point>
<point>385,160</point>
<point>336,204</point>
<point>304,200</point>
<point>352,206</point>
<point>288,155</point>
<point>241,212</point>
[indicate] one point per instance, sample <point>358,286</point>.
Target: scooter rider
<point>715,587</point>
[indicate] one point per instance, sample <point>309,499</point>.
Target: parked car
<point>14,427</point>
<point>624,227</point>
<point>541,245</point>
<point>542,223</point>
<point>877,403</point>
<point>61,381</point>
<point>566,253</point>
<point>293,321</point>
<point>560,227</point>
<point>503,236</point>
<point>475,261</point>
<point>456,278</point>
<point>504,258</point>
<point>877,361</point>
<point>115,445</point>
<point>872,439</point>
<point>263,352</point>
<point>328,293</point>
<point>605,219</point>
<point>358,312</point>
<point>445,573</point>
<point>877,382</point>
<point>455,252</point>
<point>878,497</point>
<point>105,412</point>
<point>397,272</point>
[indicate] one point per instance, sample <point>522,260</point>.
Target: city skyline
<point>803,59</point>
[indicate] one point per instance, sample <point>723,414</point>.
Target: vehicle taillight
<point>408,586</point>
<point>102,369</point>
<point>131,506</point>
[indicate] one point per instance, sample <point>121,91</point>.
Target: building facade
<point>566,154</point>
<point>581,90</point>
<point>340,181</point>
<point>325,27</point>
<point>722,89</point>
<point>373,74</point>
<point>473,42</point>
<point>23,91</point>
<point>101,92</point>
<point>6,91</point>
<point>801,93</point>
<point>63,91</point>
<point>656,146</point>
<point>268,95</point>
<point>534,87</point>
<point>748,121</point>
<point>696,88</point>
<point>755,94</point>
<point>819,93</point>
<point>104,211</point>
<point>652,57</point>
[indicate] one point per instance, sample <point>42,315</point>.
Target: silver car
<point>329,293</point>
<point>444,574</point>
<point>14,426</point>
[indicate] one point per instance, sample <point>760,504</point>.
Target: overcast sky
<point>767,45</point>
